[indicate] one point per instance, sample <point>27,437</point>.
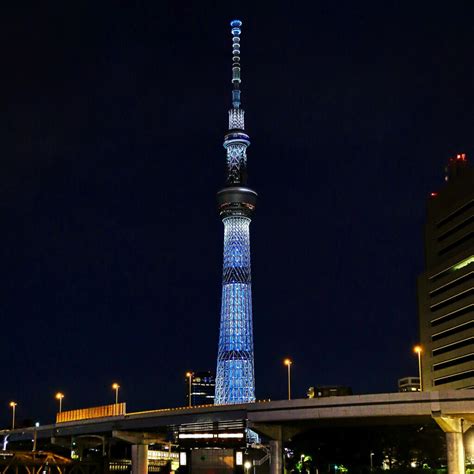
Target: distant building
<point>445,289</point>
<point>328,391</point>
<point>409,384</point>
<point>203,386</point>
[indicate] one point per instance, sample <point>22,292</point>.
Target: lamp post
<point>59,397</point>
<point>13,407</point>
<point>288,363</point>
<point>189,375</point>
<point>116,386</point>
<point>418,350</point>
<point>371,461</point>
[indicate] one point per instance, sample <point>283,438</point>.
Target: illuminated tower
<point>235,380</point>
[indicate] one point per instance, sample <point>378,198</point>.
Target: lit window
<point>464,263</point>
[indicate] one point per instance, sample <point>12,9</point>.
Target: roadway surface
<point>397,408</point>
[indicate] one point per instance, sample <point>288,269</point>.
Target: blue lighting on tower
<point>235,378</point>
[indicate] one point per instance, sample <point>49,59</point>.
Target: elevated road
<point>279,420</point>
<point>386,407</point>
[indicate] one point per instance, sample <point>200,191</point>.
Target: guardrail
<point>90,413</point>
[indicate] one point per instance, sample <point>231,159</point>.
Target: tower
<point>235,379</point>
<point>446,289</point>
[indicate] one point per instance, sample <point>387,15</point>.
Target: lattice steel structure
<point>235,379</point>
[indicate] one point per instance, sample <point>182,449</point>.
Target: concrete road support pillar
<point>276,457</point>
<point>139,442</point>
<point>139,459</point>
<point>455,448</point>
<point>454,428</point>
<point>277,435</point>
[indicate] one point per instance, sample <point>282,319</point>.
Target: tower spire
<point>236,141</point>
<point>236,24</point>
<point>235,379</point>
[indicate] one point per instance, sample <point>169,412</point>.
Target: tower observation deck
<point>235,379</point>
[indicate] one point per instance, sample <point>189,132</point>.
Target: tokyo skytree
<point>235,378</point>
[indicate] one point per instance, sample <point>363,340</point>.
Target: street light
<point>13,407</point>
<point>371,461</point>
<point>418,350</point>
<point>189,375</point>
<point>247,466</point>
<point>288,363</point>
<point>116,387</point>
<point>59,397</point>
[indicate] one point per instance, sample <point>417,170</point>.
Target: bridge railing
<point>90,413</point>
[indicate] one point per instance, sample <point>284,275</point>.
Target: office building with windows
<point>409,384</point>
<point>203,385</point>
<point>446,288</point>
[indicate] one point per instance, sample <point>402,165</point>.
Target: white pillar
<point>454,427</point>
<point>276,456</point>
<point>455,448</point>
<point>139,459</point>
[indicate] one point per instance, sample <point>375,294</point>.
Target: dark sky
<point>113,116</point>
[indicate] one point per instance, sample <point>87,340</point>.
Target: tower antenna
<point>236,80</point>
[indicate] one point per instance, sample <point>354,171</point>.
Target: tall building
<point>446,288</point>
<point>235,380</point>
<point>202,388</point>
<point>409,384</point>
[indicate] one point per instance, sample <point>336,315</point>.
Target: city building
<point>409,384</point>
<point>328,391</point>
<point>235,380</point>
<point>203,385</point>
<point>446,288</point>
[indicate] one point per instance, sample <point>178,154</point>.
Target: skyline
<point>112,154</point>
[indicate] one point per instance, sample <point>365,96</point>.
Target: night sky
<point>113,117</point>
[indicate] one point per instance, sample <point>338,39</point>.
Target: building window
<point>452,347</point>
<point>453,315</point>
<point>455,214</point>
<point>454,330</point>
<point>454,378</point>
<point>453,362</point>
<point>452,284</point>
<point>452,300</point>
<point>458,242</point>
<point>456,228</point>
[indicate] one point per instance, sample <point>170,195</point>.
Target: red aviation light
<point>459,157</point>
<point>433,194</point>
<point>456,165</point>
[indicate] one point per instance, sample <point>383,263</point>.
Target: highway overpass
<point>278,421</point>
